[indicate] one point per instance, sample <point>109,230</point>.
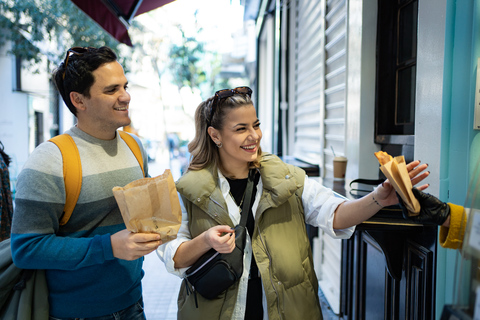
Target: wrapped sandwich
<point>151,205</point>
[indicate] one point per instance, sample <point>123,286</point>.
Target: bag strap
<point>133,145</point>
<point>72,173</point>
<point>373,182</point>
<point>370,182</point>
<point>248,198</point>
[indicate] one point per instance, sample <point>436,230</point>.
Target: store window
<point>396,73</point>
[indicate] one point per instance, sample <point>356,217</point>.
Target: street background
<point>160,288</point>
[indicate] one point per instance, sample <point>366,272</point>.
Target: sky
<point>218,19</point>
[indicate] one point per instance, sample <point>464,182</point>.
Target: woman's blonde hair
<point>204,152</point>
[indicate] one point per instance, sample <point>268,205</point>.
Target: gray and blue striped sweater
<point>84,279</point>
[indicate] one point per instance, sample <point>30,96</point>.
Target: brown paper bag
<point>151,205</point>
<point>396,172</point>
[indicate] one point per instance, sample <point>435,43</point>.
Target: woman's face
<point>240,138</point>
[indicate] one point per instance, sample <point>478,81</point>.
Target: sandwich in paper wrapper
<point>151,205</point>
<point>395,169</point>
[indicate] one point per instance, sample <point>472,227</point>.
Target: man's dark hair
<point>77,74</point>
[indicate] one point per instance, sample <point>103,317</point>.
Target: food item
<point>383,157</point>
<point>395,169</point>
<point>151,205</point>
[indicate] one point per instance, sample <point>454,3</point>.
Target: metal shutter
<point>309,57</point>
<point>320,81</point>
<point>319,112</point>
<point>335,82</point>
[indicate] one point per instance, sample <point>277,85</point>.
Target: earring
<point>219,145</point>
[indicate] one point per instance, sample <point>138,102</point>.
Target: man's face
<point>107,108</point>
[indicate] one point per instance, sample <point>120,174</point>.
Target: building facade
<point>351,77</point>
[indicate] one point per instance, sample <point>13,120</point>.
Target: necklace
<point>238,187</point>
<point>241,201</point>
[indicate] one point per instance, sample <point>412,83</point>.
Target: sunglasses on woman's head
<point>74,50</point>
<point>226,93</point>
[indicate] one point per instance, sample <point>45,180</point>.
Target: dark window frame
<point>391,102</point>
<point>17,80</point>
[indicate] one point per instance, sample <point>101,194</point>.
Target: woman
<point>278,281</point>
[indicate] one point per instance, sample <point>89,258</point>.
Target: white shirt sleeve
<point>167,251</point>
<point>319,204</point>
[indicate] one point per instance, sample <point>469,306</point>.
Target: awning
<point>115,16</point>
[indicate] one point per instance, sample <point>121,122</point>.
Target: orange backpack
<point>72,168</point>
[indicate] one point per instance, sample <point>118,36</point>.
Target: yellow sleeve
<point>452,237</point>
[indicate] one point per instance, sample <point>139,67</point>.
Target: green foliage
<point>39,28</point>
<point>47,28</point>
<point>185,62</point>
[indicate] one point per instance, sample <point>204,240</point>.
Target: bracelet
<point>373,197</point>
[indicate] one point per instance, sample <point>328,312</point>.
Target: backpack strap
<point>72,168</point>
<point>133,145</point>
<point>72,173</point>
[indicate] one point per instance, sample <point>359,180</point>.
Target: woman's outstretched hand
<point>385,193</point>
<point>353,212</point>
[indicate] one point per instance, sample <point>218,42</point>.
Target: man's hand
<point>128,245</point>
<point>433,211</point>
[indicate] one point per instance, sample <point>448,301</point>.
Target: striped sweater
<point>84,279</point>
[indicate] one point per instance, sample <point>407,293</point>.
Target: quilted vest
<point>279,242</point>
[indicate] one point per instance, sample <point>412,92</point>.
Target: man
<point>93,264</point>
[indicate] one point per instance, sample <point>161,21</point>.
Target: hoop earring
<point>219,145</point>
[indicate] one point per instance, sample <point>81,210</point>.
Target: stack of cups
<point>339,167</point>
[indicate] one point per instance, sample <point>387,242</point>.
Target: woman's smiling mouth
<point>251,147</point>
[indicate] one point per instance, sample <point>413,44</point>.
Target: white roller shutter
<point>320,82</point>
<point>335,82</point>
<point>318,111</point>
<point>309,57</point>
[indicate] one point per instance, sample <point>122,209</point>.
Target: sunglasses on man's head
<point>73,50</point>
<point>226,93</point>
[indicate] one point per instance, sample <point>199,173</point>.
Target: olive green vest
<point>280,243</point>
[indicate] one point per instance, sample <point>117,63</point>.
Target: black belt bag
<point>215,272</point>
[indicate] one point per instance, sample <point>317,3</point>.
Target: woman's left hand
<point>385,193</point>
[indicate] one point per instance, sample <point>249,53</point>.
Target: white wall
<point>429,96</point>
<point>266,84</point>
<point>360,111</point>
<point>13,116</point>
<point>18,107</point>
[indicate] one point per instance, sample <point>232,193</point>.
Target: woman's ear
<point>214,135</point>
<point>77,100</point>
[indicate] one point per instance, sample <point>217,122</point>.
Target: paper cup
<point>339,167</point>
